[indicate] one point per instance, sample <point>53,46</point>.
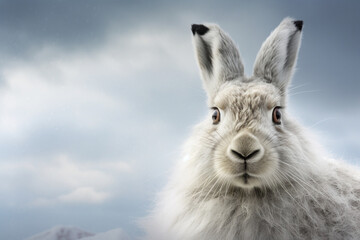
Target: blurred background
<point>97,97</point>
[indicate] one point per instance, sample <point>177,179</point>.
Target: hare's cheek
<point>269,168</point>
<point>264,168</point>
<point>225,168</point>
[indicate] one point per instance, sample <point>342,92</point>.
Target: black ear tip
<point>298,24</point>
<point>193,26</point>
<point>199,29</point>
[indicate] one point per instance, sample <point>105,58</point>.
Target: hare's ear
<point>277,57</point>
<point>217,56</point>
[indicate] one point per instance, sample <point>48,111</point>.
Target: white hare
<point>250,171</point>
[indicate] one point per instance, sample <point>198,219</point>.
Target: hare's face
<point>248,136</point>
<point>247,125</point>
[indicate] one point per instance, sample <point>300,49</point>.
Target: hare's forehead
<point>248,95</point>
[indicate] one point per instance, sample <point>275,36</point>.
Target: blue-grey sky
<point>96,98</point>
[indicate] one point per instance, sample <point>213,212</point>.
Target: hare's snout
<point>244,165</point>
<point>245,148</point>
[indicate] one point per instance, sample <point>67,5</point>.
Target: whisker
<point>303,92</point>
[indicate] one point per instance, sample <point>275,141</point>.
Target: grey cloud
<point>27,26</point>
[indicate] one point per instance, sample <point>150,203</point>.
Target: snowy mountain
<point>115,234</point>
<point>62,233</point>
<point>73,233</point>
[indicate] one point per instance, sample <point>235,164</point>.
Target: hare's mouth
<point>246,177</point>
<point>246,180</point>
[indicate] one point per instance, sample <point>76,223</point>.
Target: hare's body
<point>324,204</point>
<point>249,171</point>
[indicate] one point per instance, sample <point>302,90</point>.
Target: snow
<point>117,234</point>
<point>74,233</point>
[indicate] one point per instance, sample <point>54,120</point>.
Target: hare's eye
<point>276,116</point>
<point>216,116</point>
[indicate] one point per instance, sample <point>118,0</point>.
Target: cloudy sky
<point>97,97</point>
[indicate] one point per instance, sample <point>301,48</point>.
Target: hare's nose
<point>245,157</point>
<point>245,147</point>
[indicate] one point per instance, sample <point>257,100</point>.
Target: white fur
<point>293,191</point>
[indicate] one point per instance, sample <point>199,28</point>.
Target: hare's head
<point>247,125</point>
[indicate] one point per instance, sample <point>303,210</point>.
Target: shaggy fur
<point>247,177</point>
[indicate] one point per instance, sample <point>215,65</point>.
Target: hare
<point>250,171</point>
